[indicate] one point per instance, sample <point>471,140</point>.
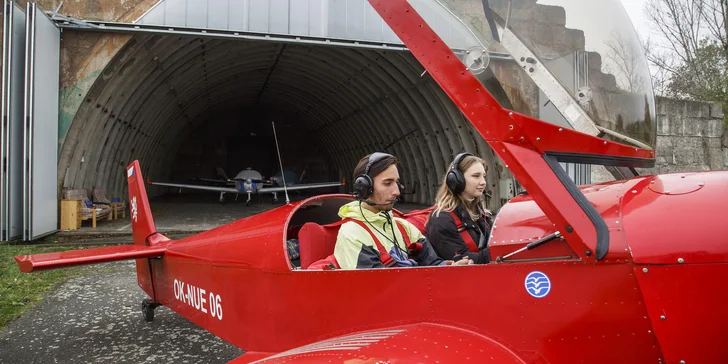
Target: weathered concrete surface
<point>689,137</point>
<point>96,318</point>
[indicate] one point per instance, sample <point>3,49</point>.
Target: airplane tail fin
<point>142,222</point>
<point>221,173</point>
<point>142,227</point>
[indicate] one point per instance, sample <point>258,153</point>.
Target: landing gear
<point>148,307</point>
<point>247,202</point>
<point>275,197</point>
<point>222,198</point>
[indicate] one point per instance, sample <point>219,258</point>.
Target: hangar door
<point>11,124</point>
<point>28,197</point>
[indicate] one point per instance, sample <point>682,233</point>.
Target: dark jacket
<point>442,233</point>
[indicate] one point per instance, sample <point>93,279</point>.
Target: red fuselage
<point>641,302</point>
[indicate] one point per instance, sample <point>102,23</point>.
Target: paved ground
<point>96,318</point>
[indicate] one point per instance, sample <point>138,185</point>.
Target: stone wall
<point>690,137</point>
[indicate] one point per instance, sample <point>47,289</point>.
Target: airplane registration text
<point>198,298</point>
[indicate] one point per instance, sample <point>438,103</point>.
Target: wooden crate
<point>70,214</point>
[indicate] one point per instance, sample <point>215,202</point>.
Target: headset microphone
<point>370,203</point>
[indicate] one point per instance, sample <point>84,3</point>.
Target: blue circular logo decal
<point>537,284</point>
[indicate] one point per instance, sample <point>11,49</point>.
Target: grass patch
<point>20,291</point>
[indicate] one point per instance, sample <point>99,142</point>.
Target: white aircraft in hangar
<point>249,181</point>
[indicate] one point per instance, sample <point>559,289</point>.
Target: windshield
<point>574,63</point>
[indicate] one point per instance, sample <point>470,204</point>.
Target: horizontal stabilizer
<point>30,263</point>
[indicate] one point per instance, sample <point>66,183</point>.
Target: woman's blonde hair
<point>446,200</point>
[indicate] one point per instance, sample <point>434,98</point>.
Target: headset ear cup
<point>461,182</point>
<point>450,180</point>
<point>455,182</point>
<point>455,179</point>
<point>363,187</point>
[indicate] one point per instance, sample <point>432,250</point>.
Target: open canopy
<point>574,63</point>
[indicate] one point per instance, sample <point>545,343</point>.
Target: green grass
<point>20,291</point>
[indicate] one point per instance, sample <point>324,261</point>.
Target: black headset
<point>363,183</point>
<point>455,180</point>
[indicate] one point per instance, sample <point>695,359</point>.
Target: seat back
<point>77,194</point>
<point>317,242</point>
<point>99,195</point>
<point>418,218</point>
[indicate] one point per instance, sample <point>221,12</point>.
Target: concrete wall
<point>690,137</point>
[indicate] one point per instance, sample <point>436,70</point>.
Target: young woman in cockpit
<point>459,225</point>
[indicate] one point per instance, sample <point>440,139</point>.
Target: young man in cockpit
<point>371,237</point>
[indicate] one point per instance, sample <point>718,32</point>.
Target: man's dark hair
<point>376,168</point>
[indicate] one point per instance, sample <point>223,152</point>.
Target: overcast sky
<point>635,9</point>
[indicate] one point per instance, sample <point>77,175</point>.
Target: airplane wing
<point>401,344</point>
<point>222,181</point>
<point>301,187</point>
<point>196,187</point>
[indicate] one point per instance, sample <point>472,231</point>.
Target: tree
<point>691,61</point>
<point>623,60</point>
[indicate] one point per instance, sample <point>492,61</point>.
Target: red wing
<point>416,343</point>
<point>29,263</point>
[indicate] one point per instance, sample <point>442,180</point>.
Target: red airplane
<point>628,271</point>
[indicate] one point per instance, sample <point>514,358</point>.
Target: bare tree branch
<point>694,60</point>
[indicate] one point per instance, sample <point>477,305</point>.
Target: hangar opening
<point>186,105</point>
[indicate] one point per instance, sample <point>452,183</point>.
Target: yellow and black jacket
<point>355,247</point>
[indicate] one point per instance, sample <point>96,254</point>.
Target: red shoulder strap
<point>383,255</point>
<point>402,231</point>
<point>469,242</point>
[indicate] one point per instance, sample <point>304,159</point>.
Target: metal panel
<point>278,15</point>
<point>341,19</point>
<point>355,20</point>
<point>174,12</point>
<point>337,18</point>
<point>238,18</point>
<point>258,12</point>
<point>317,18</point>
<point>41,127</point>
<point>300,18</point>
<point>196,14</point>
<point>217,16</point>
<point>11,125</point>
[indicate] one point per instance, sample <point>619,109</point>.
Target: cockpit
<point>314,225</point>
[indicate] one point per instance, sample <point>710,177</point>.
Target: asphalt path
<point>96,318</point>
